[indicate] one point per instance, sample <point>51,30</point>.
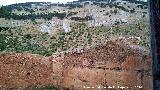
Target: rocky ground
<point>115,63</point>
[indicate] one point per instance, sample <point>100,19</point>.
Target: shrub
<point>132,11</point>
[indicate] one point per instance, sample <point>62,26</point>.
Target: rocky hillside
<point>47,28</point>
<point>115,63</point>
<point>75,46</point>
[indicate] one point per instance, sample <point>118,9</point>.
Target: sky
<point>8,2</point>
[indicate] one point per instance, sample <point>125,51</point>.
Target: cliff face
<point>113,64</point>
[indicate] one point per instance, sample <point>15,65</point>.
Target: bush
<point>28,36</point>
<point>132,11</point>
<point>3,44</point>
<point>87,18</point>
<point>72,13</point>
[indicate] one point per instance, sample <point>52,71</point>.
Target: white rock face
<point>105,16</point>
<point>49,25</point>
<point>124,20</point>
<point>44,28</point>
<point>123,13</point>
<point>66,25</point>
<point>55,22</point>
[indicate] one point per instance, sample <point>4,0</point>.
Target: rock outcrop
<point>115,63</point>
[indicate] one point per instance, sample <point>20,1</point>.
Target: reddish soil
<point>112,64</point>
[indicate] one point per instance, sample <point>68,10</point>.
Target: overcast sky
<point>7,2</point>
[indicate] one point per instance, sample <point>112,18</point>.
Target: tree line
<point>6,13</point>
